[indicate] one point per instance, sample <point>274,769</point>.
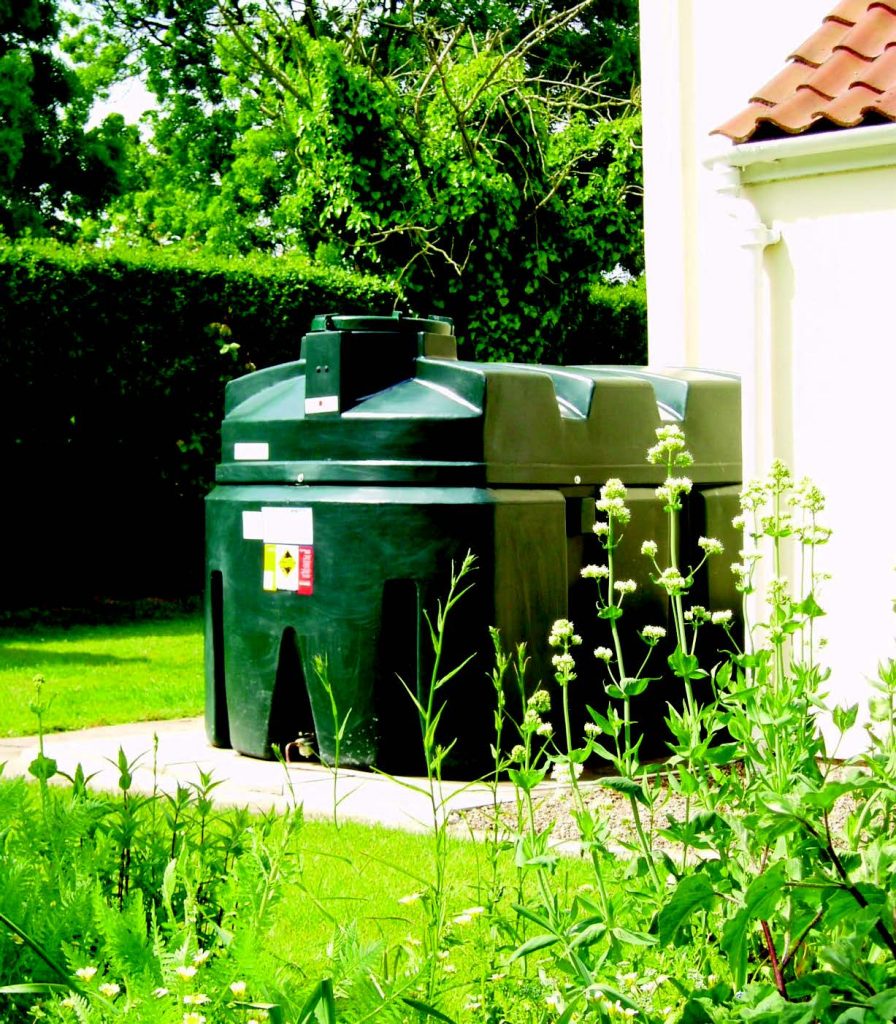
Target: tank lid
<point>398,322</point>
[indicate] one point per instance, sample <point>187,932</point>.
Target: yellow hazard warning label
<point>286,576</point>
<point>288,567</point>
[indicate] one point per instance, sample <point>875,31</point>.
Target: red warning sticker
<point>306,569</point>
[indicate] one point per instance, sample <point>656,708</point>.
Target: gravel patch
<point>554,807</point>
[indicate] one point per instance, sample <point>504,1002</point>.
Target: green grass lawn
<point>101,674</point>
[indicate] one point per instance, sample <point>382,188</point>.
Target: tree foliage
<point>53,169</point>
<point>485,154</point>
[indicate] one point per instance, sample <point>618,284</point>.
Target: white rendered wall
<point>700,62</point>
<point>834,336</point>
<point>786,283</point>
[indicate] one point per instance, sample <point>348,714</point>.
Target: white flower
<point>194,1018</point>
<point>649,548</point>
<point>540,701</point>
<point>672,581</point>
<point>595,572</point>
<point>563,663</point>
<point>238,988</point>
<point>185,971</point>
<point>652,634</point>
<point>673,488</point>
<point>466,916</point>
<point>109,989</point>
<point>410,898</point>
<point>562,630</point>
<point>670,447</point>
<point>196,999</point>
<point>710,545</point>
<point>85,973</point>
<point>565,771</point>
<point>201,956</point>
<point>722,618</point>
<point>592,729</point>
<point>612,501</point>
<point>603,654</point>
<point>808,496</point>
<point>625,586</point>
<point>600,529</point>
<point>545,729</point>
<point>517,754</point>
<point>554,1001</point>
<point>160,992</point>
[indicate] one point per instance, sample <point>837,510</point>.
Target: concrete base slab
<point>165,755</point>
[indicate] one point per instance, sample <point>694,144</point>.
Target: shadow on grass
<point>31,657</point>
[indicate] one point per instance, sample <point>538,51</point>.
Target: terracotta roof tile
<point>820,45</point>
<point>848,109</point>
<point>849,11</point>
<point>885,104</point>
<point>842,76</point>
<point>870,35</point>
<point>744,124</point>
<point>785,82</point>
<point>837,73</point>
<point>882,73</point>
<point>797,112</point>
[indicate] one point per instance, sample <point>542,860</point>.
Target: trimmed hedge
<point>611,328</point>
<point>115,365</point>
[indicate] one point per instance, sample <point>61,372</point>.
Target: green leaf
<point>530,915</point>
<point>735,945</point>
<point>321,1005</point>
<point>825,798</point>
<point>693,892</point>
<point>724,753</point>
<point>40,951</point>
<point>42,768</point>
<point>527,778</point>
<point>766,892</point>
<point>35,988</point>
<point>854,1015</point>
<point>685,666</point>
<point>845,718</point>
<point>535,943</point>
<point>633,938</point>
<point>627,786</point>
<point>427,1010</point>
<point>634,687</point>
<point>884,1004</point>
<point>809,607</point>
<point>589,935</point>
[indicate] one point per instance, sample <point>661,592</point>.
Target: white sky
<point>129,98</point>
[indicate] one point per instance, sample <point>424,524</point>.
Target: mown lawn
<point>101,674</point>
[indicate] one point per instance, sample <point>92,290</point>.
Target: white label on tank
<point>253,526</point>
<point>287,526</point>
<point>251,451</point>
<point>326,403</point>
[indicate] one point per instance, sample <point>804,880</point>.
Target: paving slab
<point>165,755</point>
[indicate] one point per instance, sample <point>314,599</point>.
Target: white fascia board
<point>804,156</point>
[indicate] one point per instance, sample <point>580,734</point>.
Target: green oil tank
<point>354,478</point>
